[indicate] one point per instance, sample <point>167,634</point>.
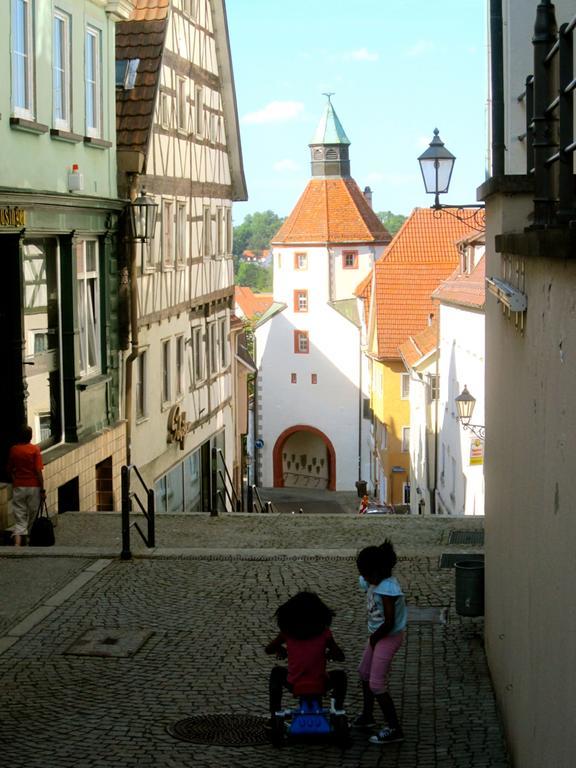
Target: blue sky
<point>398,68</point>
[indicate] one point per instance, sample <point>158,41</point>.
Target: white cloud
<point>362,54</point>
<point>286,165</point>
<point>420,48</point>
<point>275,112</point>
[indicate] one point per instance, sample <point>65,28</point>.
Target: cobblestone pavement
<point>210,613</point>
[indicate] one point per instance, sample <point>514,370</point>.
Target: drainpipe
<point>497,87</point>
<point>133,295</point>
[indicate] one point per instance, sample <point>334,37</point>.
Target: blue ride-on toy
<point>311,720</point>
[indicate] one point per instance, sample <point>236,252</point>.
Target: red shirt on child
<point>24,465</point>
<point>307,663</point>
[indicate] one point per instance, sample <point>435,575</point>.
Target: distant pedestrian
<point>306,640</point>
<point>25,468</point>
<point>387,615</point>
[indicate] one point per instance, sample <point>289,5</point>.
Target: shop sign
<point>476,451</point>
<point>178,427</point>
<point>12,216</point>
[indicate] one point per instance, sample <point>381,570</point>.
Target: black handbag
<point>42,530</point>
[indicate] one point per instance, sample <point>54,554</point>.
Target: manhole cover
<point>475,538</point>
<point>222,730</point>
<point>448,559</point>
<point>427,615</point>
<point>99,641</point>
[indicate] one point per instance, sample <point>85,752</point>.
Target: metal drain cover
<point>222,730</point>
<point>475,538</point>
<point>109,642</point>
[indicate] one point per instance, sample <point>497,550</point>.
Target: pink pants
<point>375,665</point>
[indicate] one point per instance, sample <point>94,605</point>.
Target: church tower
<point>311,415</point>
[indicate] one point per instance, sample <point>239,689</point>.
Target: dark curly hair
<point>377,561</point>
<point>304,616</point>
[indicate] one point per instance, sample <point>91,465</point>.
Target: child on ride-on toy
<point>306,640</point>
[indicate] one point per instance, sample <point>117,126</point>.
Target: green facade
<point>59,248</point>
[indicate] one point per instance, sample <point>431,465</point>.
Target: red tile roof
<point>332,211</point>
<point>150,10</point>
<point>420,345</point>
<point>251,304</point>
<point>141,38</point>
<point>467,290</point>
<point>422,254</point>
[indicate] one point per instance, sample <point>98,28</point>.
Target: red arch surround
<point>277,454</point>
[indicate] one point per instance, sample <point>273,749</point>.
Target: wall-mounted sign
<point>177,426</point>
<point>12,216</point>
<point>476,451</point>
<point>259,443</point>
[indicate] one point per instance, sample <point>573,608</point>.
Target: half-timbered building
<point>178,137</point>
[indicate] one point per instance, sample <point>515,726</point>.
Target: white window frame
<point>213,348</point>
<point>404,386</point>
<point>198,354</point>
<point>88,305</point>
<point>405,439</point>
<point>182,103</point>
<point>94,34</point>
<point>61,69</point>
<point>206,232</point>
<point>180,365</point>
<point>141,403</point>
<point>25,110</point>
<point>189,8</point>
<point>433,387</point>
<point>219,232</point>
<point>168,233</point>
<point>300,261</point>
<point>223,338</point>
<point>181,232</point>
<point>198,110</point>
<point>164,109</point>
<point>229,231</point>
<point>166,364</point>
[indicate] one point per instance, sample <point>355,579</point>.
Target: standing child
<point>387,615</point>
<point>306,640</point>
<point>25,468</point>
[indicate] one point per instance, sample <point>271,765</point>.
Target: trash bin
<point>361,488</point>
<point>469,576</point>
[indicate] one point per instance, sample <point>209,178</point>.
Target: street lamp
<point>465,403</point>
<point>436,165</point>
<point>143,212</point>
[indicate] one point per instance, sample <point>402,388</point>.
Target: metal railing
<point>255,503</point>
<point>550,140</point>
<point>128,496</point>
<point>225,491</point>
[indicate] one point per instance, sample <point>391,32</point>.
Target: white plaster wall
<point>422,437</point>
<point>331,405</point>
<point>150,451</point>
<point>461,363</point>
<point>530,502</point>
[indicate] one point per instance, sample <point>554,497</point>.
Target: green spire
<point>329,129</point>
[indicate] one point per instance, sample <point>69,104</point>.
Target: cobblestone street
<point>209,616</point>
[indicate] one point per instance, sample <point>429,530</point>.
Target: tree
<point>392,221</point>
<point>254,276</point>
<point>255,232</point>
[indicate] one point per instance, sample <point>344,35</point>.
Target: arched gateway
<point>303,457</point>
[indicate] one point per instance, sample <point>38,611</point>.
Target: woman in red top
<point>25,467</point>
<point>306,640</point>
